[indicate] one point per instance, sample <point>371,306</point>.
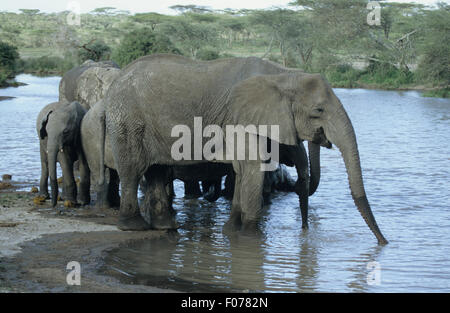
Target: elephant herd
<point>117,124</point>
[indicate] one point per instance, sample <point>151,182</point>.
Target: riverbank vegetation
<point>409,48</point>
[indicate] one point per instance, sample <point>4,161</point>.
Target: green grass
<point>438,93</point>
<point>26,53</point>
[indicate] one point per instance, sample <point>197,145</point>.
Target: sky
<point>135,6</point>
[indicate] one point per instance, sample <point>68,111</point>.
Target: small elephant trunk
<point>300,160</point>
<point>314,163</point>
<point>52,156</point>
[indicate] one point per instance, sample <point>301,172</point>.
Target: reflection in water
<point>403,142</point>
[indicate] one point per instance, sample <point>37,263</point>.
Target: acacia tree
<point>140,43</point>
<point>190,36</point>
<point>435,64</point>
<point>8,60</point>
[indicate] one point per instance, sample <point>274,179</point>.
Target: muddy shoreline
<point>37,242</point>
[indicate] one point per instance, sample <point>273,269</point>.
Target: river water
<point>403,141</point>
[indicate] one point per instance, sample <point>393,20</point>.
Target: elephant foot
<point>192,196</point>
<point>85,200</point>
<point>250,228</point>
<point>165,222</point>
<point>211,196</point>
<point>44,195</point>
<point>136,223</point>
<point>70,204</point>
<point>234,224</point>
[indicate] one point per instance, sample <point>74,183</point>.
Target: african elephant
<point>88,82</point>
<point>156,93</point>
<point>58,127</point>
<point>107,192</point>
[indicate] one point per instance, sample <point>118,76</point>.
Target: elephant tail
<point>102,121</point>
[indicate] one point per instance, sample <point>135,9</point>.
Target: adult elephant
<point>88,82</point>
<point>156,93</point>
<point>58,128</point>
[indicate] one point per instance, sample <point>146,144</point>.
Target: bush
<point>207,54</point>
<point>343,76</point>
<point>140,43</point>
<point>386,76</point>
<point>46,64</point>
<point>8,56</point>
<point>8,61</point>
<point>96,51</point>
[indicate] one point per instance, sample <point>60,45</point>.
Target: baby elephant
<point>58,128</point>
<point>107,188</point>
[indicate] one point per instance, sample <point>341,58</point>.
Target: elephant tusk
<point>62,150</point>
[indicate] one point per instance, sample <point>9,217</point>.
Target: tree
<point>290,30</point>
<point>140,43</point>
<point>151,19</point>
<point>190,36</point>
<point>190,8</point>
<point>8,60</point>
<point>8,56</point>
<point>435,64</point>
<point>94,50</point>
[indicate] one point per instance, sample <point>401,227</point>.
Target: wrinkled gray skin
<point>88,82</point>
<point>107,190</point>
<point>58,127</point>
<point>157,92</point>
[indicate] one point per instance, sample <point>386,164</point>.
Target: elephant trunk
<point>314,163</point>
<point>52,156</point>
<point>342,134</point>
<point>302,186</point>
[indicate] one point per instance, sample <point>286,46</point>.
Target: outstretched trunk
<point>314,164</point>
<point>52,158</point>
<point>342,134</point>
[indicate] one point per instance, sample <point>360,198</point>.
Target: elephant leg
<point>234,223</point>
<point>228,192</point>
<point>267,186</point>
<point>251,196</point>
<point>113,197</point>
<point>101,189</point>
<point>158,202</point>
<point>43,185</point>
<point>69,185</point>
<point>212,189</point>
<point>192,189</point>
<point>130,217</point>
<point>170,190</point>
<point>84,187</point>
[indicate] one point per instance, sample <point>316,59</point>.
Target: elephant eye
<point>316,113</point>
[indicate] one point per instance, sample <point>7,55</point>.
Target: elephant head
<point>305,108</point>
<point>88,82</point>
<point>61,127</point>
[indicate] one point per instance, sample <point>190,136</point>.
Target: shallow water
<point>403,142</point>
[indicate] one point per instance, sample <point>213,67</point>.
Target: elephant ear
<point>43,130</point>
<point>258,101</point>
